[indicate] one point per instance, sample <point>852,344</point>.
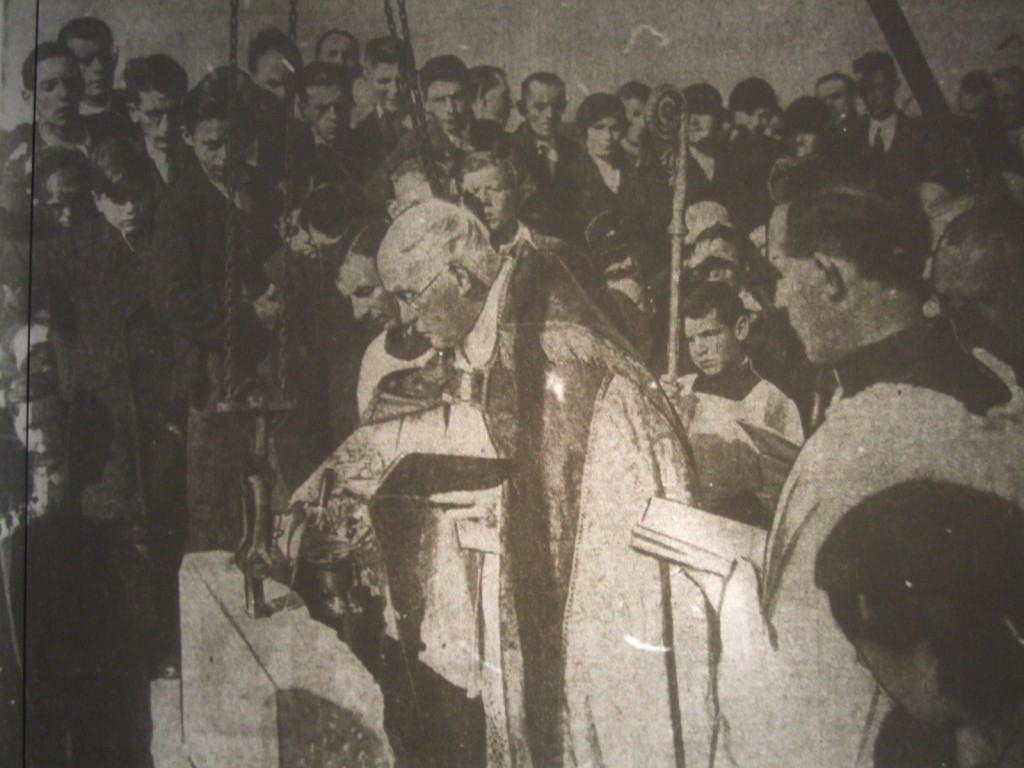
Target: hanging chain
<point>284,346</point>
<point>293,20</point>
<point>408,84</point>
<point>231,235</point>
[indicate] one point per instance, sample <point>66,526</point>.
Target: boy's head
<point>716,326</point>
<point>325,100</point>
<point>338,46</point>
<point>50,76</point>
<point>61,188</point>
<point>327,214</point>
<point>211,117</point>
<point>357,278</point>
<point>156,87</point>
<point>122,185</point>
<point>706,115</point>
<point>273,61</point>
<point>92,43</point>
<point>634,96</point>
<point>444,81</point>
<point>381,71</point>
<point>492,99</point>
<point>752,103</point>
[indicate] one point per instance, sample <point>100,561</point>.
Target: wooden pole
<point>677,233</point>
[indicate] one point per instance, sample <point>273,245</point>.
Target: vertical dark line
<point>668,641</point>
<point>28,407</point>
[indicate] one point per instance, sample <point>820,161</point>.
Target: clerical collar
<point>734,384</point>
<point>926,355</point>
<point>477,348</point>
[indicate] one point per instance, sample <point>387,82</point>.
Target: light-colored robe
<point>790,689</point>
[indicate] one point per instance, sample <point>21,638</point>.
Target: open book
<point>691,537</point>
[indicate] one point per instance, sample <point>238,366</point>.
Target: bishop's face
<point>442,307</point>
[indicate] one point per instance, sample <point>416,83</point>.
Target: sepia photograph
<point>512,383</point>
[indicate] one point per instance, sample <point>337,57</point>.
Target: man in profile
<point>850,246</point>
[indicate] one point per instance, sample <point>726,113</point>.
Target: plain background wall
<point>790,42</point>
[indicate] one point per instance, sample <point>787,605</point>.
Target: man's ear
<point>186,136</point>
<point>464,279</point>
<point>96,198</point>
<point>115,55</point>
<point>742,327</point>
<point>833,274</point>
<point>26,94</point>
<point>133,113</point>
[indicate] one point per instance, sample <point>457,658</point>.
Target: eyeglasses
<point>410,299</point>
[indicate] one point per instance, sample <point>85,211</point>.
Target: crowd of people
<point>851,342</point>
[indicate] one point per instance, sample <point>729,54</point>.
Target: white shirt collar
<point>523,235</point>
<point>886,127</point>
<point>477,349</point>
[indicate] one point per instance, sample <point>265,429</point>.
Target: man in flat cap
<point>537,375</point>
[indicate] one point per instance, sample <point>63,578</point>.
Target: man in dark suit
<point>322,151</point>
<point>892,139</point>
<point>156,87</point>
<point>540,152</point>
<point>377,134</point>
<point>103,109</point>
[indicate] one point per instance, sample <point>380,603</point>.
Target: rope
<point>409,86</point>
<point>284,323</point>
<point>230,241</point>
<point>293,20</point>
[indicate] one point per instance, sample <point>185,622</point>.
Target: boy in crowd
<point>634,96</point>
<point>377,134</point>
<point>156,87</point>
<point>324,153</point>
<point>103,109</point>
<point>51,81</point>
<point>725,395</point>
<point>338,46</point>
<point>492,100</point>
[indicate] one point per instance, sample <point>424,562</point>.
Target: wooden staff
<point>677,233</point>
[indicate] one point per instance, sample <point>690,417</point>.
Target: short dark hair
<point>273,39</point>
<point>332,209</point>
<point>159,73</point>
<point>863,216</point>
<point>993,227</point>
<point>875,61</point>
<point>979,83</point>
<point>120,170</point>
<point>549,79</point>
<point>752,94</point>
<point>842,77</point>
<point>332,32</point>
<point>939,563</point>
<point>703,99</point>
<point>323,73</point>
<point>87,28</point>
<point>634,90</point>
<point>446,68</point>
<point>381,50</point>
<point>483,79</point>
<point>707,297</point>
<point>40,54</point>
<point>367,238</point>
<point>805,114</point>
<point>51,160</point>
<point>210,99</point>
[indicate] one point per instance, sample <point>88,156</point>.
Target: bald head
<point>437,260</point>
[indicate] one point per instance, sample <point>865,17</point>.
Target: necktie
<point>878,146</point>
